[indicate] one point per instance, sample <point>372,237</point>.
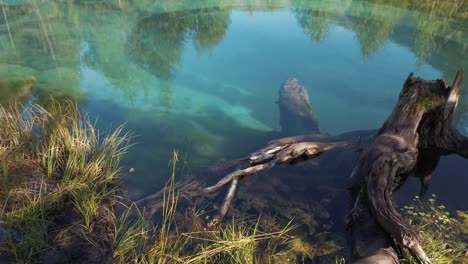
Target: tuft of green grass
<point>238,242</point>
<point>445,235</point>
<point>135,240</point>
<point>56,160</point>
<point>86,202</point>
<point>130,236</point>
<point>170,200</point>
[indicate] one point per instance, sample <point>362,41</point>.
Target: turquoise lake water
<point>203,77</point>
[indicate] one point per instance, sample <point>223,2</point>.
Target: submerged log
<point>296,114</point>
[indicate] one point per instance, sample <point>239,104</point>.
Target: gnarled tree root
<point>410,142</point>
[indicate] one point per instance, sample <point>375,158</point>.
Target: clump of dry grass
<point>53,160</point>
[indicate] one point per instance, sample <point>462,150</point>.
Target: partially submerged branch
<point>266,159</point>
<point>227,202</point>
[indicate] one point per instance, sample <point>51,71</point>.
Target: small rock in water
<point>131,170</point>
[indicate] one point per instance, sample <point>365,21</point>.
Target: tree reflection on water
<point>157,41</point>
<point>48,37</point>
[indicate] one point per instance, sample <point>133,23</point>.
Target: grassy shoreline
<point>61,202</point>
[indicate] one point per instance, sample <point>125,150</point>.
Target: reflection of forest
<point>49,41</point>
<point>374,24</point>
<point>157,41</point>
<point>38,47</point>
<point>51,47</point>
<point>436,31</point>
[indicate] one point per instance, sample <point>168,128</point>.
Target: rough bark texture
<point>296,114</point>
<point>410,142</point>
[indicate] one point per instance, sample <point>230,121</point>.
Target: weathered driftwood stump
<point>410,142</point>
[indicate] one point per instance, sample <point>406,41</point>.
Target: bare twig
<point>238,174</point>
<point>227,202</point>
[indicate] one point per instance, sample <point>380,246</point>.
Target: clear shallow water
<point>203,76</point>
